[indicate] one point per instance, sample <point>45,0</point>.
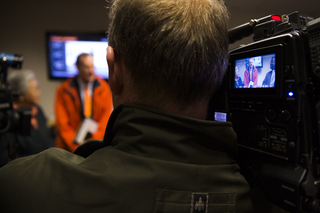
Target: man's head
<point>174,51</point>
<point>237,71</point>
<point>251,62</point>
<point>272,63</point>
<point>86,68</point>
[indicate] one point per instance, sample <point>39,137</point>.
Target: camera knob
<point>271,114</point>
<point>292,145</point>
<point>285,115</point>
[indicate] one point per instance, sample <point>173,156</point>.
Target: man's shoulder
<point>25,180</point>
<point>51,154</point>
<point>44,161</point>
<point>68,84</point>
<point>269,73</point>
<point>101,81</point>
<point>101,85</point>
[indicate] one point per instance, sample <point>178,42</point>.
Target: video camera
<point>271,94</point>
<point>11,120</point>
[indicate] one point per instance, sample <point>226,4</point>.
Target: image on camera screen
<point>255,72</point>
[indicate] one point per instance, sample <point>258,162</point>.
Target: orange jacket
<point>69,111</point>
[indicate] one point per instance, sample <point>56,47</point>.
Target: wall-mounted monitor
<point>63,49</point>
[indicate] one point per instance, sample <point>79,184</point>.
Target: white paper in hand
<point>87,126</point>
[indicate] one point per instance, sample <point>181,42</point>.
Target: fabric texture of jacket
<point>150,161</point>
<point>69,111</point>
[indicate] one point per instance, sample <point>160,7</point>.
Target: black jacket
<point>150,161</point>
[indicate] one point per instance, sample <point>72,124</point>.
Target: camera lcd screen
<point>255,72</point>
<point>220,116</point>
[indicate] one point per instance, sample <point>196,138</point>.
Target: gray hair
<point>174,50</point>
<point>19,80</point>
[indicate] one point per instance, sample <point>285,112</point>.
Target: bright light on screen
<point>95,48</point>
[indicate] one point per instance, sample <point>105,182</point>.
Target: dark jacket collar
<point>149,132</point>
<point>74,83</point>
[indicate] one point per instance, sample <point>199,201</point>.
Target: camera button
<point>285,115</point>
<point>271,114</point>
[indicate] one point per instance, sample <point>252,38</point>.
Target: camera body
<point>276,116</point>
<point>272,97</point>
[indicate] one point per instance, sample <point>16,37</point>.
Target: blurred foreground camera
<point>11,119</point>
<point>271,94</point>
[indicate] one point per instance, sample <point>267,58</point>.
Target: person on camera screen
<point>250,75</point>
<point>269,79</point>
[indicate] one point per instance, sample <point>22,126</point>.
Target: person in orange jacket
<point>251,75</point>
<point>70,104</point>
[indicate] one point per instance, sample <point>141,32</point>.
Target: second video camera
<point>11,120</point>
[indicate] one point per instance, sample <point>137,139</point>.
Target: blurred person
<point>71,106</point>
<point>250,75</point>
<point>166,59</point>
<point>269,79</point>
<point>238,81</point>
<point>14,145</point>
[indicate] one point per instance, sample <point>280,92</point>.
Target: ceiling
<point>307,7</point>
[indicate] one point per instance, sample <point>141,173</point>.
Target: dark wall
<point>24,24</point>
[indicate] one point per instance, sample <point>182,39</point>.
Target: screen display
<point>220,116</point>
<point>63,50</point>
<point>255,72</point>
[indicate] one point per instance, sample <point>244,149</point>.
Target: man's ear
<point>115,72</point>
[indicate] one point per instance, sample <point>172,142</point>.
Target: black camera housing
<point>278,126</point>
<point>11,119</point>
